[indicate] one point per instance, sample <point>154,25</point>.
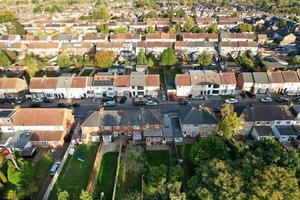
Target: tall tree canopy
<point>168,57</point>
<point>104,58</point>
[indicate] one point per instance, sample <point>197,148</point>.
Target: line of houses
<point>208,82</point>
<point>137,84</point>
<point>132,43</point>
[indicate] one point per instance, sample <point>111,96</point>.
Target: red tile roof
<point>183,80</point>
<point>152,80</point>
<point>122,81</point>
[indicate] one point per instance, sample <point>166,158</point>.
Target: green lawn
<point>156,158</point>
<point>106,176</point>
<point>227,97</point>
<point>75,174</point>
<point>158,71</point>
<point>86,72</point>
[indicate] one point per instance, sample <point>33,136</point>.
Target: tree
<point>32,70</point>
<point>246,60</point>
<point>4,59</point>
<point>104,58</point>
<point>229,123</point>
<point>14,176</point>
<point>7,16</point>
<point>103,28</point>
<point>274,183</point>
<point>244,27</point>
<point>175,173</point>
<point>213,28</point>
<point>101,12</point>
<point>84,195</point>
<point>141,58</point>
<point>180,13</point>
<point>168,57</point>
<point>63,195</point>
<point>216,179</point>
<point>207,149</point>
<point>282,23</point>
<point>132,196</point>
<point>150,29</point>
<point>205,58</point>
<point>12,195</point>
<point>174,191</point>
<point>3,178</point>
<point>122,29</point>
<point>295,61</point>
<point>150,62</point>
<point>11,55</point>
<point>63,60</point>
<point>189,24</point>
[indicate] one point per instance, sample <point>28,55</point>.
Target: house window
<point>196,125</point>
<point>288,122</point>
<point>132,87</point>
<point>277,122</point>
<point>140,87</point>
<point>136,127</point>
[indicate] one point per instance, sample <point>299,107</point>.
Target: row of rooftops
<point>129,36</point>
<point>135,79</point>
<point>200,77</point>
<point>271,77</point>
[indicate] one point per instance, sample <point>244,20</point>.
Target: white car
<point>266,100</point>
<point>151,103</point>
<point>37,100</point>
<point>231,100</point>
<point>54,168</point>
<point>109,104</point>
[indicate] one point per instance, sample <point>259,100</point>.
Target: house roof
<point>79,82</point>
<point>39,116</point>
<point>290,76</point>
<point>43,45</point>
<point>13,83</point>
<point>264,131</point>
<point>183,80</point>
<point>238,35</point>
<point>227,78</point>
<point>197,77</point>
<point>288,130</point>
<point>43,83</point>
<point>123,118</point>
<point>137,79</point>
<point>267,113</point>
<point>194,44</point>
<point>247,77</point>
<point>94,37</point>
<point>46,136</point>
<point>152,80</point>
<point>125,36</point>
<point>193,115</point>
<point>199,35</point>
<point>103,80</point>
<point>275,77</point>
<point>122,81</point>
<point>152,36</point>
<point>260,77</point>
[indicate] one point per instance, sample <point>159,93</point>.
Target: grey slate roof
<point>264,130</point>
<point>260,77</point>
<point>171,127</point>
<point>267,113</point>
<point>289,130</point>
<point>193,115</point>
<point>123,118</point>
<point>137,79</point>
<point>248,77</point>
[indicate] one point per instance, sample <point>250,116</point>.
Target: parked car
<point>296,99</point>
<point>5,100</point>
<point>282,99</point>
<point>47,100</point>
<point>37,100</point>
<point>109,104</point>
<point>35,105</point>
<point>20,100</point>
<point>250,94</point>
<point>54,168</point>
<point>243,94</point>
<point>266,100</point>
<point>151,103</point>
<point>183,101</point>
<point>231,100</point>
<point>121,100</point>
<point>163,97</point>
<point>105,99</point>
<point>63,105</point>
<point>139,103</point>
<point>200,97</point>
<point>172,97</point>
<point>75,105</point>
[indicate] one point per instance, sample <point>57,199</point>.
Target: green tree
<point>213,28</point>
<point>229,123</point>
<point>63,60</point>
<point>274,183</point>
<point>12,195</point>
<point>205,58</point>
<point>207,149</point>
<point>150,29</point>
<point>16,28</point>
<point>123,29</point>
<point>11,55</point>
<point>189,24</point>
<point>14,176</point>
<point>133,159</point>
<point>84,195</point>
<point>282,23</point>
<point>174,190</point>
<point>132,196</point>
<point>103,28</point>
<point>63,195</point>
<point>141,58</point>
<point>168,57</point>
<point>295,61</point>
<point>150,62</point>
<point>101,12</point>
<point>216,179</point>
<point>175,173</point>
<point>244,27</point>
<point>246,60</point>
<point>4,59</point>
<point>180,13</point>
<point>7,16</point>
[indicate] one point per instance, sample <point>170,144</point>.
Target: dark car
<point>183,102</point>
<point>35,105</point>
<point>3,101</point>
<point>217,109</point>
<point>47,100</point>
<point>75,105</point>
<point>296,99</point>
<point>139,103</point>
<point>105,99</point>
<point>250,94</point>
<point>282,99</point>
<point>243,94</point>
<point>121,100</point>
<point>63,105</point>
<point>20,100</point>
